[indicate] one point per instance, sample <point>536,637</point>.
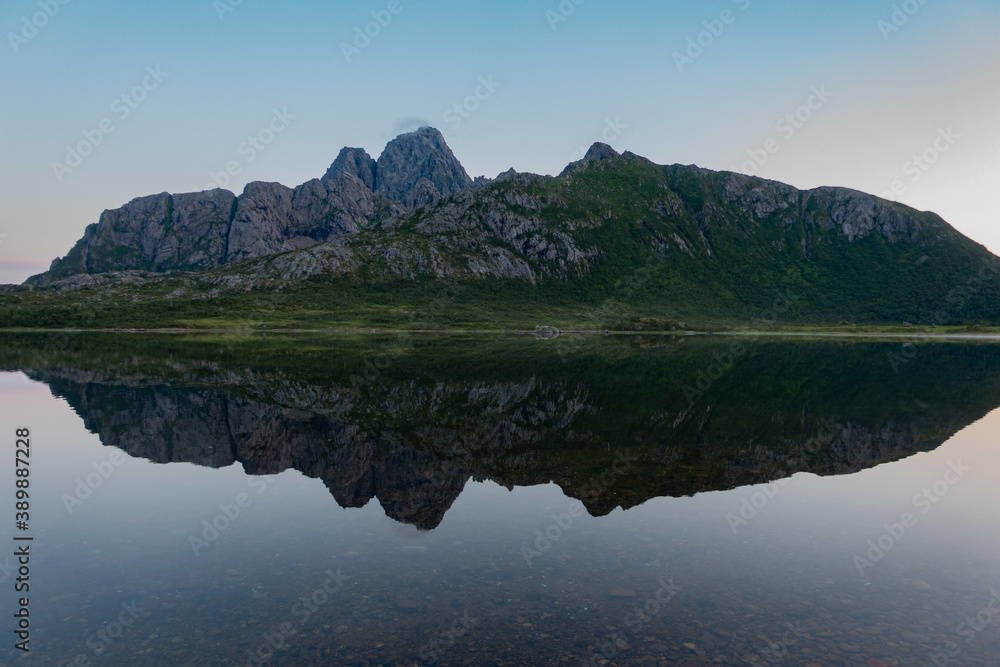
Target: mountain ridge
<point>200,230</point>
<point>612,232</point>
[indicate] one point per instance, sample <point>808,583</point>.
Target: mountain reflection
<point>613,422</point>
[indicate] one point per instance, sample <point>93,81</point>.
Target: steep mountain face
<point>414,170</point>
<point>186,232</point>
<point>271,218</point>
<point>199,231</point>
<point>356,162</point>
<point>418,169</point>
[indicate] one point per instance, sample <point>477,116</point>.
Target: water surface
<point>498,501</point>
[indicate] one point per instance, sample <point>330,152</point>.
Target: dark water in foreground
<point>304,501</point>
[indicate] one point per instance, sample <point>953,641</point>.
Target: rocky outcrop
<point>199,231</point>
<point>761,198</point>
<point>262,222</point>
<point>596,154</point>
<point>414,170</point>
<point>600,151</point>
<point>157,233</point>
<point>470,236</point>
<point>419,168</point>
<point>355,162</point>
<point>858,215</point>
<point>854,214</point>
<point>200,227</point>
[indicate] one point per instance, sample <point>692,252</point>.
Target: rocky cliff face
<point>271,218</point>
<point>414,170</point>
<point>159,232</point>
<point>469,236</point>
<point>418,169</point>
<point>356,162</point>
<point>199,231</point>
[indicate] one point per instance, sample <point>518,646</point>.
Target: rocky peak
<point>601,151</point>
<point>411,159</point>
<point>356,162</point>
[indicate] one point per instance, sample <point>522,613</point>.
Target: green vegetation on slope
<point>668,245</point>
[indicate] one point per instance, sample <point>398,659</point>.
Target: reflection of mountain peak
<point>610,433</point>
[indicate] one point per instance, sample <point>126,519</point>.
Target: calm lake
<point>418,500</point>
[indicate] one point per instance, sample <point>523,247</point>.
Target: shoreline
<point>549,334</point>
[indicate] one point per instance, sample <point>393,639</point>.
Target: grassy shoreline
<point>981,334</point>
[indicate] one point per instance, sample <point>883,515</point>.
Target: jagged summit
<point>356,162</point>
<point>419,167</point>
<point>415,169</point>
<point>198,231</point>
<point>601,151</point>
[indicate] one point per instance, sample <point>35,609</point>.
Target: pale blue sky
<point>555,87</point>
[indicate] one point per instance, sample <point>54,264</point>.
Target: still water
<point>501,501</point>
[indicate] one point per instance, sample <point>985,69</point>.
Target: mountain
<point>614,238</point>
<point>510,410</point>
<point>197,231</point>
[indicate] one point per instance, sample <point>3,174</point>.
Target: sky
<point>102,101</point>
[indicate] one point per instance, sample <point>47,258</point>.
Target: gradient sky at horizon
<point>559,86</point>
